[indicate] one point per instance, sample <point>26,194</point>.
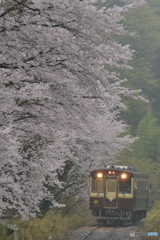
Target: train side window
<point>97,185</point>
<point>125,186</point>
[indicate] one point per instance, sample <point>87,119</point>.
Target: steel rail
<point>89,233</point>
<point>110,235</point>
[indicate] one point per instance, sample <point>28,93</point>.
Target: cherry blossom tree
<point>59,103</point>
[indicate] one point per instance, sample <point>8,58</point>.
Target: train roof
<point>122,167</point>
<point>133,171</point>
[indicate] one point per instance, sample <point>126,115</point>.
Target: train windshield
<point>111,185</point>
<point>125,186</point>
<point>97,185</point>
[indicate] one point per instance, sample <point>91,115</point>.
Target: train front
<point>111,195</point>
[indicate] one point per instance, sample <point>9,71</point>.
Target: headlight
<point>99,175</point>
<point>123,176</point>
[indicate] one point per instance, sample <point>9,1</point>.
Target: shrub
<point>54,222</point>
<point>152,223</point>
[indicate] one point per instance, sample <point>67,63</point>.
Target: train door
<point>111,192</point>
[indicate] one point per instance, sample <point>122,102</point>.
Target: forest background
<point>144,118</point>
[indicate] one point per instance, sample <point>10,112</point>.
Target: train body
<point>118,194</point>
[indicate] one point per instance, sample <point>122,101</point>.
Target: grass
<point>55,222</point>
<point>152,223</point>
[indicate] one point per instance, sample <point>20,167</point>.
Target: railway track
<point>89,233</point>
<point>99,232</point>
<point>111,233</point>
<point>108,237</point>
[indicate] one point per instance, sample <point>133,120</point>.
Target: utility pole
<point>13,227</point>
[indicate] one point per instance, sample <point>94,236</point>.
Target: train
<point>118,194</point>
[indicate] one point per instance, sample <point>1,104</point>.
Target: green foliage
<point>152,223</point>
<point>136,110</point>
<point>148,144</point>
<point>3,232</point>
<point>144,21</point>
<point>55,222</point>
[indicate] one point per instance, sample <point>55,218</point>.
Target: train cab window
<point>97,185</point>
<point>125,186</point>
<point>111,185</point>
